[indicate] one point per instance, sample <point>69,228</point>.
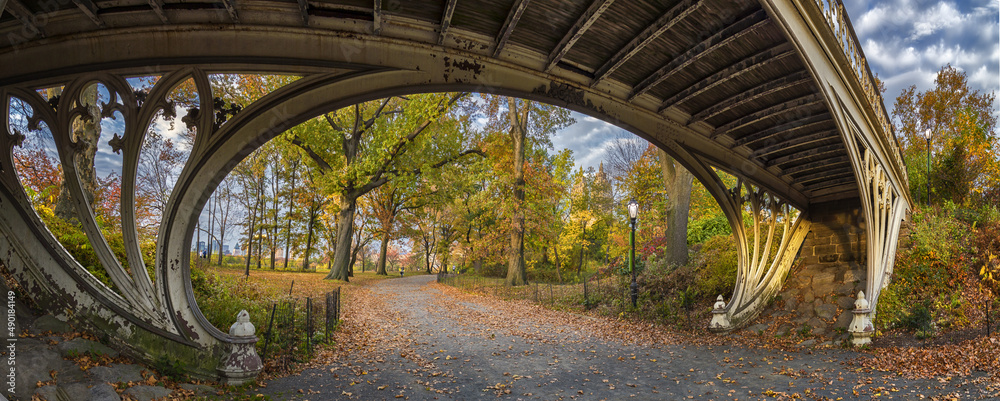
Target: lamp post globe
<point>633,213</point>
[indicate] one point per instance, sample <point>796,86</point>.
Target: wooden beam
<point>449,11</point>
<point>88,8</point>
<point>834,183</point>
<point>718,41</point>
<point>377,17</point>
<point>814,152</point>
<point>825,174</point>
<point>589,17</point>
<point>513,17</point>
<point>644,38</point>
<point>304,11</point>
<point>757,92</point>
<point>231,9</point>
<point>797,142</point>
<point>21,13</point>
<point>157,6</point>
<point>808,122</point>
<point>741,67</point>
<point>815,166</point>
<point>828,194</point>
<point>787,107</point>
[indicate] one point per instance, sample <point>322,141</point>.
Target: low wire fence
<point>610,294</point>
<point>296,326</point>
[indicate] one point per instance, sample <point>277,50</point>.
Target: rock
<point>829,258</point>
<point>826,311</point>
<point>818,326</point>
<point>846,302</point>
<point>824,277</point>
<point>807,343</point>
<point>49,323</point>
<point>103,392</point>
<point>116,373</point>
<point>844,320</point>
<point>847,289</point>
<point>34,361</point>
<point>76,392</point>
<point>790,304</point>
<point>758,328</point>
<point>826,344</point>
<point>783,330</point>
<point>853,276</point>
<point>199,389</point>
<point>69,371</point>
<point>47,393</point>
<point>147,393</point>
<point>808,297</point>
<point>80,346</point>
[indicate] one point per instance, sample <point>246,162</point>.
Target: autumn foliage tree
<point>965,164</point>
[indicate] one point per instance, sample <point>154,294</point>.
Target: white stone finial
<point>720,318</point>
<point>861,303</point>
<point>720,303</point>
<point>242,327</point>
<point>861,327</point>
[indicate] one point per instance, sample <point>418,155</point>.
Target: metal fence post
<point>308,327</point>
<point>267,334</point>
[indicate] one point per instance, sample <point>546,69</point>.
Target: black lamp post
<point>633,212</point>
<point>927,135</point>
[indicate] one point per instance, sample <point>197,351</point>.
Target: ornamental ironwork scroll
<point>768,233</point>
<point>884,208</point>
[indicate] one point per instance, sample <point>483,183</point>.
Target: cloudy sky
<point>906,42</point>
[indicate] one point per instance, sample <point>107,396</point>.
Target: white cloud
<point>908,41</point>
<point>984,77</point>
<point>940,17</point>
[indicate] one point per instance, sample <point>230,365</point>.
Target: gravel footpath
<point>417,340</point>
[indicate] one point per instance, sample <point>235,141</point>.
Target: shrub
<point>76,243</point>
<point>705,228</point>
<point>220,297</point>
<point>716,271</point>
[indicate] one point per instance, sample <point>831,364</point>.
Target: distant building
<point>201,246</point>
<point>225,250</point>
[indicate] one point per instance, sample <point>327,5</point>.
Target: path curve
<point>412,338</point>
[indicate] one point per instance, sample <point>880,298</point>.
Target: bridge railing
<point>840,24</point>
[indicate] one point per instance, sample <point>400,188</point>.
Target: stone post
<point>861,328</point>
<point>720,319</point>
<point>241,364</point>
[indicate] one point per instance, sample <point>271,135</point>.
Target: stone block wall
<point>836,235</point>
<point>818,295</point>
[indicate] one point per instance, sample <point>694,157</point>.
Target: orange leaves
<point>941,361</point>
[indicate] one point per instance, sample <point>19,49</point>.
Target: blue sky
<point>906,43</point>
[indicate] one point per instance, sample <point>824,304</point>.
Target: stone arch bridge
<point>774,92</point>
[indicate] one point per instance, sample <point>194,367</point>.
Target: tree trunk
<point>579,268</point>
<point>310,228</point>
<point>678,181</point>
<point>445,258</point>
<point>516,273</point>
<point>211,229</point>
<point>345,230</point>
<point>248,246</point>
<point>558,270</point>
<point>87,133</point>
<point>383,250</point>
<point>288,215</point>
